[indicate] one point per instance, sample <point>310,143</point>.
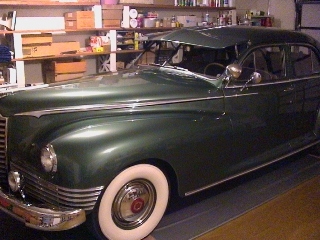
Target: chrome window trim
<point>285,81</point>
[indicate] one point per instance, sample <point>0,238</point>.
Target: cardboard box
<point>50,50</point>
<point>111,23</point>
<point>36,39</point>
<point>51,77</point>
<point>112,6</point>
<point>187,21</point>
<point>107,48</point>
<point>67,67</point>
<point>37,51</point>
<point>97,41</point>
<point>164,2</point>
<point>80,24</point>
<point>147,58</point>
<point>56,71</point>
<point>79,15</point>
<point>112,14</point>
<point>120,65</point>
<point>65,47</point>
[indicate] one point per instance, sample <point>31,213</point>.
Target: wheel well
<point>168,171</point>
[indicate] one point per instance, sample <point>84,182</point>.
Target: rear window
<point>304,61</point>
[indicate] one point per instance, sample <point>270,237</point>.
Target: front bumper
<point>41,217</point>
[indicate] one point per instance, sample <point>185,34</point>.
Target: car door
<point>262,113</point>
<point>304,72</point>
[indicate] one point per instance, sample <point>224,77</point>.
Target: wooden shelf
<point>75,55</point>
<point>64,31</point>
<point>45,3</point>
<point>154,6</point>
<point>177,8</point>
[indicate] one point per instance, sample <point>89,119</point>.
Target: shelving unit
<point>35,6</point>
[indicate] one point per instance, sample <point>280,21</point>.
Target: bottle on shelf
<point>173,21</point>
<point>247,19</point>
<point>207,18</point>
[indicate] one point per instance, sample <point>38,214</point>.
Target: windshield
<point>197,59</point>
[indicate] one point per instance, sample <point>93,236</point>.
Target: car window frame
<point>245,83</point>
<point>290,60</point>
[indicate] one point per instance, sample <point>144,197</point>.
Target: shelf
<point>177,8</point>
<point>45,3</point>
<point>75,55</point>
<point>64,31</point>
<point>133,5</point>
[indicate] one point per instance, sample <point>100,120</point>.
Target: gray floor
<point>193,216</point>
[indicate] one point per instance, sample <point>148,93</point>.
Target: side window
<point>268,61</point>
<point>304,61</point>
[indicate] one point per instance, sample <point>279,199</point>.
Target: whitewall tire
<point>133,203</point>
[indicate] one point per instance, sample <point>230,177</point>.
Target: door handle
<point>289,89</point>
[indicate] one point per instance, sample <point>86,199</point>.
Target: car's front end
<point>58,143</point>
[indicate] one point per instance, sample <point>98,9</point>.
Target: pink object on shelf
<point>109,1</point>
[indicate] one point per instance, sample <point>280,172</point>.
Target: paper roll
<point>133,13</point>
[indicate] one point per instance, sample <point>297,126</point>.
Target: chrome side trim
<point>100,107</point>
<point>274,83</point>
<point>250,170</point>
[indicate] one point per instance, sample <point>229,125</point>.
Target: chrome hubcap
<point>133,204</point>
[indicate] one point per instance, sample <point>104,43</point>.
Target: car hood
<point>138,87</point>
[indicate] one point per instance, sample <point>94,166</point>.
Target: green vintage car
<point>211,104</point>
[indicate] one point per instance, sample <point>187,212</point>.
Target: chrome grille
<point>3,152</point>
<point>58,196</point>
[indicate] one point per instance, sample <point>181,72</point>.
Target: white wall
<point>283,11</point>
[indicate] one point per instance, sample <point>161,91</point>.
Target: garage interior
<point>281,201</point>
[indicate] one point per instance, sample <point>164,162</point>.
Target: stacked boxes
<point>36,45</point>
<point>36,39</point>
<point>79,20</point>
<point>62,71</point>
<point>41,45</point>
<point>111,15</point>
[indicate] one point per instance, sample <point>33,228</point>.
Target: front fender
<point>96,150</point>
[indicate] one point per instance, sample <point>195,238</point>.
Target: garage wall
<point>310,17</point>
<point>283,11</point>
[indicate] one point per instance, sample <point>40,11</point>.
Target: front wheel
<point>133,203</point>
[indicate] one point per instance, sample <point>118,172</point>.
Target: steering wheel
<point>215,71</point>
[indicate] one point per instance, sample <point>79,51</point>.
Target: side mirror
<point>233,70</point>
<point>255,77</point>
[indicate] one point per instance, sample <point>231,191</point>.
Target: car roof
<point>222,37</point>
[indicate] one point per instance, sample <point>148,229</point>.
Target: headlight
<point>15,180</point>
<point>49,159</point>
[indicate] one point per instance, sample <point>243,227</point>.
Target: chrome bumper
<point>41,217</point>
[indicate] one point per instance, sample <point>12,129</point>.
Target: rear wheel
<point>133,203</point>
